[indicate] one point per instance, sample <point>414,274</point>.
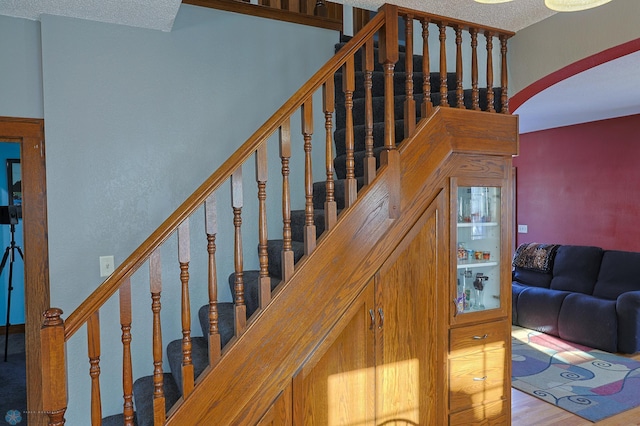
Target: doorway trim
<point>30,134</point>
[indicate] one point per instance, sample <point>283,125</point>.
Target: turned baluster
<point>390,157</point>
<point>490,97</point>
<point>389,55</point>
<point>504,78</point>
<point>54,372</point>
<point>444,99</point>
<point>321,9</point>
<point>264,282</point>
<point>409,103</point>
<point>155,284</point>
<point>184,257</point>
<point>127,370</point>
<point>475,93</point>
<point>292,5</point>
<point>459,88</point>
<point>328,104</point>
<point>211,229</point>
<point>348,86</point>
<point>93,340</point>
<point>367,68</point>
<point>287,247</point>
<point>307,132</point>
<point>427,106</point>
<point>237,202</point>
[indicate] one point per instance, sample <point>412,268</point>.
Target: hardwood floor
<point>527,410</point>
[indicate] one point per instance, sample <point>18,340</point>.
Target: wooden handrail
<point>108,288</point>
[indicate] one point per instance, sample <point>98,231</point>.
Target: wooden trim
<point>30,134</point>
<point>13,329</point>
<point>269,13</point>
<point>284,345</point>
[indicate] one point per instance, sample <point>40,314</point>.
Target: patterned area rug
<point>587,382</point>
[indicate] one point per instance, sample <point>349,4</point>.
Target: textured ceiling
<point>159,14</point>
<point>562,104</point>
<point>152,14</point>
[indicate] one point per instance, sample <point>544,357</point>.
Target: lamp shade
<point>573,5</point>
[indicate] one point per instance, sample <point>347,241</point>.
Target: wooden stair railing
<point>317,13</point>
<point>180,224</point>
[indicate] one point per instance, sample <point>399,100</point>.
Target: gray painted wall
<point>20,68</point>
<point>135,120</point>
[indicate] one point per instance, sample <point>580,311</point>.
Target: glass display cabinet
<point>479,245</point>
<point>478,248</point>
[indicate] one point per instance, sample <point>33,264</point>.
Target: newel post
<point>54,372</point>
<point>389,55</point>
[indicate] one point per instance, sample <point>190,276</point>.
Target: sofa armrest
<point>628,311</point>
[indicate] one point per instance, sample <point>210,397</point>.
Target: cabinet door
<point>337,385</point>
<point>406,286</point>
<point>480,244</point>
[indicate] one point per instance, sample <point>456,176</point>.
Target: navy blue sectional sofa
<point>583,294</point>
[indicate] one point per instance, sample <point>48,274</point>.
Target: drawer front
<point>477,378</point>
<point>478,338</point>
<point>493,414</point>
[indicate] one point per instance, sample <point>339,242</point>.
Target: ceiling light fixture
<point>573,5</point>
<point>560,5</point>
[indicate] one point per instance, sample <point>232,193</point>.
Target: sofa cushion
<point>531,278</point>
<point>516,289</point>
<point>619,273</point>
<point>590,321</point>
<point>576,268</point>
<point>538,309</point>
<point>628,310</point>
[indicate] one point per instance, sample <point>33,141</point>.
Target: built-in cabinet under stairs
<point>348,315</point>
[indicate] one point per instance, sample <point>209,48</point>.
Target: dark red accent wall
<point>581,185</point>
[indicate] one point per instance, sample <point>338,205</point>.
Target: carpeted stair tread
<point>251,289</point>
<point>226,317</point>
<point>143,397</point>
<point>320,192</point>
<point>359,139</point>
<point>344,39</point>
<point>399,66</point>
<point>399,82</point>
<point>378,106</point>
<point>298,220</point>
<point>341,162</point>
<point>274,249</point>
<point>117,420</point>
<point>199,358</point>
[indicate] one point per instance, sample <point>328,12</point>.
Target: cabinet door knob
<point>480,337</point>
<point>381,315</point>
<point>480,379</point>
<point>373,319</point>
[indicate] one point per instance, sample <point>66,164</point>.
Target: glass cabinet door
<point>478,248</point>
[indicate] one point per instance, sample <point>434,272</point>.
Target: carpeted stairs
<point>143,387</point>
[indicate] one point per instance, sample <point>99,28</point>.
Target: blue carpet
<point>13,382</point>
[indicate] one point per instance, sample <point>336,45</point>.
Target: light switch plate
<point>106,266</point>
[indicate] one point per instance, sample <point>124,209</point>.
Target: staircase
<point>361,133</point>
